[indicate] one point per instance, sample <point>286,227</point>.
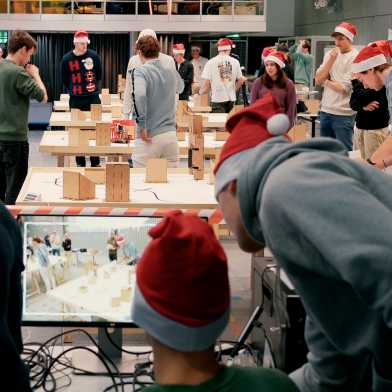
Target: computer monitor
<point>80,270</point>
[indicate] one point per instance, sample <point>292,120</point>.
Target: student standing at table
<point>81,72</point>
<point>19,82</point>
<point>185,69</point>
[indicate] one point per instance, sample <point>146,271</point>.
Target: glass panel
<point>217,7</point>
<point>56,7</point>
<point>122,7</point>
<point>186,7</point>
<point>3,37</point>
<point>24,7</point>
<point>88,7</point>
<point>247,8</point>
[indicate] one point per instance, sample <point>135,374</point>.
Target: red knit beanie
<point>182,293</point>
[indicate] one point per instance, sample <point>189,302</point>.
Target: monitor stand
<point>87,361</point>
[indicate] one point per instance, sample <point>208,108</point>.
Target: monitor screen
<point>81,269</point>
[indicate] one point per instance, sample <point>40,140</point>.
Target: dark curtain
<point>112,48</point>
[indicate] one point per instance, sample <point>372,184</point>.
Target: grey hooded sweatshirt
<point>328,221</point>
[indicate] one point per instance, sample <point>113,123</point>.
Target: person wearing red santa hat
<point>182,301</point>
<point>375,72</point>
<point>81,72</point>
<point>185,69</point>
<point>222,75</point>
<point>198,62</point>
<point>308,202</point>
<point>372,119</point>
<point>275,81</point>
<point>334,74</point>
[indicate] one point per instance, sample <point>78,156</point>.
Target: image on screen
<point>81,269</point>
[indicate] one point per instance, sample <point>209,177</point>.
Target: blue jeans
<point>338,127</point>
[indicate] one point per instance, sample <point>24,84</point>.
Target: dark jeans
<point>338,127</point>
<point>222,107</point>
<point>84,104</point>
<point>14,161</point>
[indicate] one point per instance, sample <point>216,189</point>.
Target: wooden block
<point>197,124</point>
<point>85,136</point>
<point>180,134</point>
<point>156,170</point>
<point>117,182</point>
<point>211,177</point>
<point>221,135</point>
<point>73,136</point>
<point>105,91</point>
<point>201,100</point>
<point>116,111</point>
<point>131,131</point>
<point>76,186</point>
<point>182,113</point>
<point>75,114</point>
<point>106,99</point>
<point>299,132</point>
<point>103,134</point>
<point>95,174</point>
<point>198,156</point>
<point>64,97</point>
<point>96,112</point>
<point>313,105</point>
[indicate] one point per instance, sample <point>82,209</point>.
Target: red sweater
<point>286,97</point>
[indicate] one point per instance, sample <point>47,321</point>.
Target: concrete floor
<point>239,272</point>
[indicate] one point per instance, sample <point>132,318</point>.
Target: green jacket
<point>16,89</point>
<point>234,379</point>
<point>303,65</point>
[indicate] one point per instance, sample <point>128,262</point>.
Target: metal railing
<point>202,8</point>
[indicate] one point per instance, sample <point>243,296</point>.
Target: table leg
<point>313,127</point>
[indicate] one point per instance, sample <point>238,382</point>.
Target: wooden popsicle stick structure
<point>76,186</point>
<point>96,112</point>
<point>117,182</point>
<point>156,170</point>
<point>103,134</point>
<point>116,111</point>
<point>196,147</point>
<point>96,174</point>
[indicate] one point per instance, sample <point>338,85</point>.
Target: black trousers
<point>84,104</point>
<point>222,107</point>
<point>14,161</point>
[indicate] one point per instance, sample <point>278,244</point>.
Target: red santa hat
<point>347,29</point>
<point>182,293</point>
<point>276,57</point>
<point>384,46</point>
<point>81,36</point>
<point>266,51</point>
<point>368,58</point>
<point>225,44</point>
<point>178,49</point>
<point>248,128</point>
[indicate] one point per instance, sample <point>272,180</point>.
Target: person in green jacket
<point>182,300</point>
<point>303,61</point>
<point>19,82</point>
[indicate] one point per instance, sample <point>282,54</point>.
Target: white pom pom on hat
<point>278,124</point>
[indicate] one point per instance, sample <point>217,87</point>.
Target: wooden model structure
<point>196,148</point>
<point>182,119</point>
<point>95,174</point>
<point>76,186</point>
<point>201,103</point>
<point>96,112</point>
<point>117,182</point>
<point>103,134</point>
<point>105,97</point>
<point>156,170</point>
<point>116,111</point>
<point>80,137</point>
<point>78,115</point>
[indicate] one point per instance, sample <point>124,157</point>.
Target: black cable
<point>122,349</point>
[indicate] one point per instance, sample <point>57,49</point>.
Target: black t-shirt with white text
<point>81,74</point>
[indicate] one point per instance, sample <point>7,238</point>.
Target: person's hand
<point>32,70</point>
<point>371,106</point>
<point>144,136</point>
<point>333,54</point>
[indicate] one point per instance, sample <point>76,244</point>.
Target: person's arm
<point>382,157</point>
<point>205,87</point>
<point>128,101</point>
<point>322,74</point>
<point>291,103</point>
<point>240,79</point>
<point>188,76</point>
<point>254,95</point>
<point>29,83</point>
<point>140,102</point>
<point>336,86</point>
